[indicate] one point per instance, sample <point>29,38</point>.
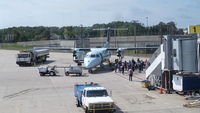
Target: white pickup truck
<point>93,97</point>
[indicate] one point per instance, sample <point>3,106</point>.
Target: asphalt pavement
<point>23,90</point>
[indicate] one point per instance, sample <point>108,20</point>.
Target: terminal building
<point>97,42</point>
<point>122,42</point>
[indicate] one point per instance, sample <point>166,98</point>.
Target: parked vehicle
<point>31,57</point>
<point>93,97</point>
<point>76,70</point>
<point>48,71</point>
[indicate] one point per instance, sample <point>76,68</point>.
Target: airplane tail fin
<point>107,43</point>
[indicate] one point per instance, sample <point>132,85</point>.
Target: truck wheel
<point>79,64</point>
<point>31,64</point>
<point>90,71</point>
<point>86,110</point>
<point>77,103</point>
<point>52,73</point>
<point>41,74</point>
<point>67,73</point>
<point>45,59</point>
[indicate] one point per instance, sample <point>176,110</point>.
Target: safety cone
<point>161,91</point>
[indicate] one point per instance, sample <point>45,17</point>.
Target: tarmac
<point>23,90</point>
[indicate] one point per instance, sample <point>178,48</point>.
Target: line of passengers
<point>131,64</point>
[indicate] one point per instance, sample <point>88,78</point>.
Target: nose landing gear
<point>90,71</point>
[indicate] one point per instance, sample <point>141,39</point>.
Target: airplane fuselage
<point>96,57</point>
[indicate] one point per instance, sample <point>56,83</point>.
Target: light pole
<point>147,26</point>
<point>135,36</point>
<point>81,36</point>
<point>147,20</point>
<point>135,33</point>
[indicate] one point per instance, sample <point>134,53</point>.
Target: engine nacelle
<point>78,56</point>
<point>74,53</point>
<point>120,52</point>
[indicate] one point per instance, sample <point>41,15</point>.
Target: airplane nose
<point>89,63</point>
<point>86,63</point>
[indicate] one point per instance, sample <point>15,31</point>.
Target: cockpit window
<point>92,56</point>
<point>87,55</point>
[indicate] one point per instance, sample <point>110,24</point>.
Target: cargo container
<point>186,82</point>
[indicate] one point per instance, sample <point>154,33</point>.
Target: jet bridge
<point>177,54</point>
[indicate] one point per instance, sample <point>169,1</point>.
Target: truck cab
<point>94,98</point>
<point>23,58</point>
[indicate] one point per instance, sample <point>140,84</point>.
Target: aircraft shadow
<point>48,62</point>
<point>39,64</point>
<point>105,69</point>
<point>52,76</point>
<point>83,75</point>
<point>118,110</point>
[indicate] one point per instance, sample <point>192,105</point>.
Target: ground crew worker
<point>125,65</point>
<point>122,68</point>
<point>130,74</point>
<point>116,65</point>
<point>119,67</point>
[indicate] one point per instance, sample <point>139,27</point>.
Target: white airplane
<point>97,56</point>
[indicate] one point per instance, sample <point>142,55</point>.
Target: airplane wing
<point>63,48</point>
<point>89,49</point>
<point>131,48</point>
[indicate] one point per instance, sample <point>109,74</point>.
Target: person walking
<point>116,66</point>
<point>119,67</point>
<point>123,69</point>
<point>125,65</point>
<point>130,74</point>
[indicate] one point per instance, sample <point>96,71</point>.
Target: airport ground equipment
<point>49,70</point>
<point>74,70</point>
<point>192,97</point>
<point>93,97</point>
<point>78,56</point>
<point>145,83</point>
<point>186,82</point>
<point>176,64</point>
<point>94,57</point>
<point>31,57</point>
<point>193,104</point>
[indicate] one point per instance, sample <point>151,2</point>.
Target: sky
<point>61,13</point>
